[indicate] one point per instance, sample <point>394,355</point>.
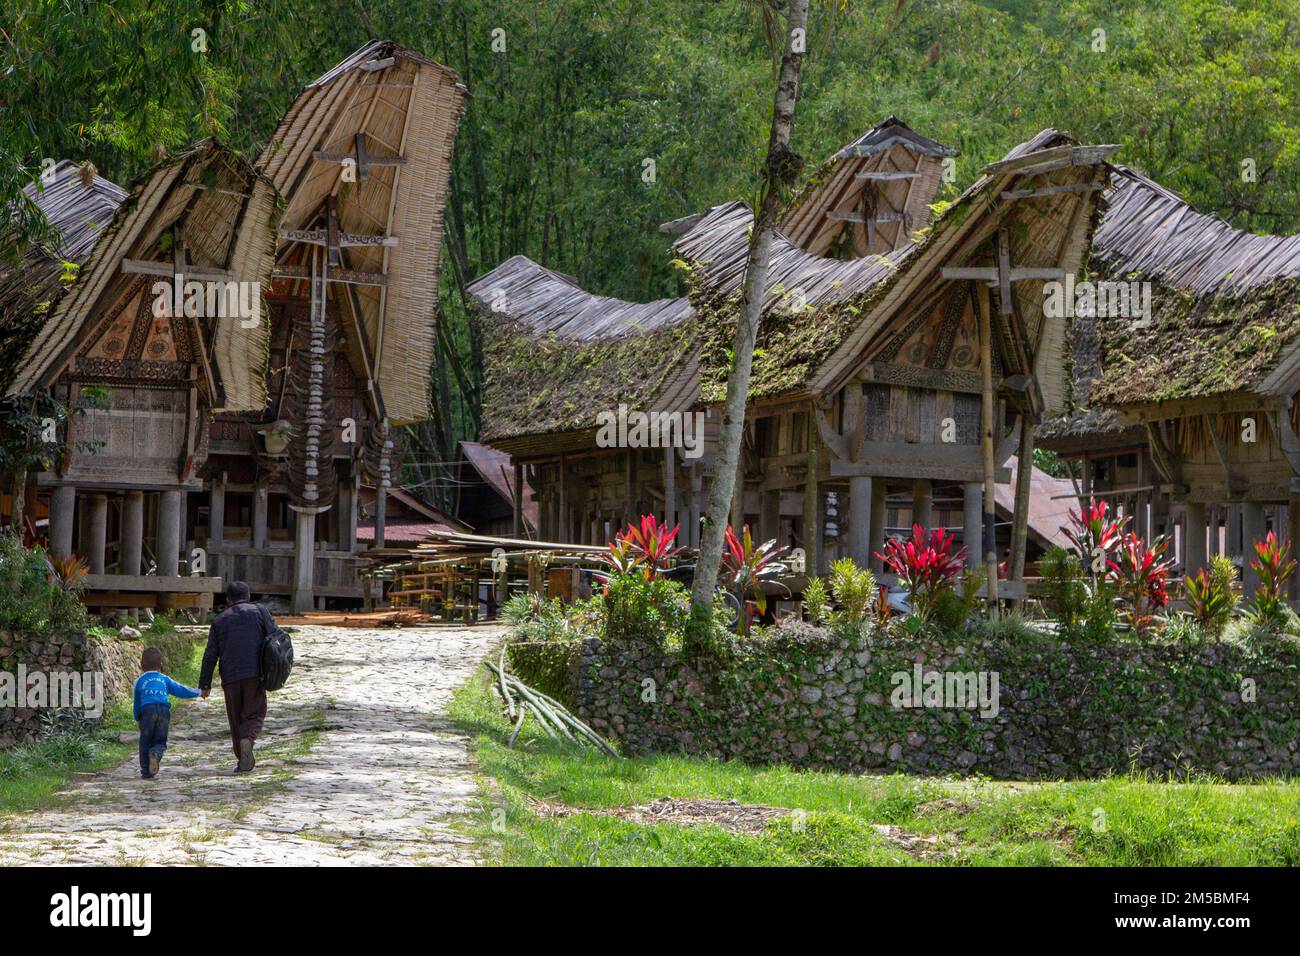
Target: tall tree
<point>781,170</point>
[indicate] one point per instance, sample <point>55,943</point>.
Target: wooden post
<point>381,514</point>
<point>670,488</point>
<point>131,540</point>
<point>1252,529</point>
<point>697,505</point>
<point>304,559</point>
<point>1233,546</point>
<point>562,522</point>
<point>769,519</point>
<point>261,498</point>
<point>170,522</point>
<point>812,537</point>
<point>1024,485</point>
<point>347,515</point>
<point>631,505</point>
<point>519,500</point>
<point>986,451</point>
<point>63,506</point>
<point>923,503</point>
<point>1087,469</point>
<point>861,520</point>
<point>96,532</point>
<point>217,510</point>
<point>973,523</point>
<point>1193,537</point>
<point>1293,536</point>
<point>879,492</point>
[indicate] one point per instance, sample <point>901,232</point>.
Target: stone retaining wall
<point>807,698</point>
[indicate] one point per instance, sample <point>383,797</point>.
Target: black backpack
<point>277,654</point>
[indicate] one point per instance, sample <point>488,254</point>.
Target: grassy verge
<point>857,820</point>
<point>32,775</point>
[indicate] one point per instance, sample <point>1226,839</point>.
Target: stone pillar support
<point>132,537</point>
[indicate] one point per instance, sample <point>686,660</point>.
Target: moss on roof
<point>547,383</point>
<point>1197,348</point>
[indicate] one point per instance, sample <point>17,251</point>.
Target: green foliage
<point>32,599</point>
<point>816,602</point>
<point>928,565</point>
<point>548,666</point>
<point>1082,606</point>
<point>1268,609</point>
<point>650,611</point>
<point>1210,596</point>
<point>533,618</point>
<point>854,589</point>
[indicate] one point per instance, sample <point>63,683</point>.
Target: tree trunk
<point>19,501</point>
<point>781,168</point>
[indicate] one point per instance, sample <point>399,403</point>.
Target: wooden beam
<point>887,175</point>
<point>168,270</point>
<point>1004,271</point>
<point>320,237</point>
<point>1015,273</point>
<point>986,453</point>
<point>324,157</point>
<point>1020,515</point>
<point>1046,160</point>
<point>373,66</point>
<point>1052,190</point>
<point>348,276</point>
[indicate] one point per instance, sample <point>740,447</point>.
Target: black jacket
<point>235,639</point>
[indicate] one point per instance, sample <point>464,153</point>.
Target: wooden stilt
<point>1024,483</point>
<point>811,511</point>
<point>986,450</point>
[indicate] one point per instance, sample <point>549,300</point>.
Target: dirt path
<point>358,765</point>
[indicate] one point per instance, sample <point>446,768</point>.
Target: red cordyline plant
<point>1140,573</point>
<point>1095,535</point>
<point>927,564</point>
<point>647,547</point>
<point>1268,609</point>
<point>747,565</point>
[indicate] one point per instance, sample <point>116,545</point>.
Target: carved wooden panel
<point>139,437</point>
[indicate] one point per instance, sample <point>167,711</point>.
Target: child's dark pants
<point>154,721</point>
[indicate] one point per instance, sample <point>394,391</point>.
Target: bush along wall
<point>1024,709</point>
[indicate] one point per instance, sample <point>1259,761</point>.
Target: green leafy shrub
<point>1081,604</point>
<point>854,589</point>
<point>1140,572</point>
<point>1210,597</point>
<point>32,595</point>
<point>548,666</point>
<point>642,610</point>
<point>816,602</point>
<point>1268,608</point>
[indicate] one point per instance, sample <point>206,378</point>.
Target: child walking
<point>153,709</point>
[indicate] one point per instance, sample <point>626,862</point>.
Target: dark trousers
<point>245,709</point>
<point>154,721</point>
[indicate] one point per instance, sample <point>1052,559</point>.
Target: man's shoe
<point>246,759</point>
<point>153,764</point>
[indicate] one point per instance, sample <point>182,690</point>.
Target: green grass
<point>1122,821</point>
<point>32,775</point>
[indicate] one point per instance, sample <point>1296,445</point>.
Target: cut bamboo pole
<point>986,451</point>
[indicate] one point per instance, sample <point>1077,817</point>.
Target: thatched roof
<point>225,215</point>
<point>79,212</point>
<point>555,354</point>
<point>1225,303</point>
<point>871,196</point>
<point>397,103</point>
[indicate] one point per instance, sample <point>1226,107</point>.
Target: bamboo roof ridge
<point>393,113</point>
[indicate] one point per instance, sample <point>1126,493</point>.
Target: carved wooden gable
<point>132,344</point>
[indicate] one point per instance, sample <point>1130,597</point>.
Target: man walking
<point>235,639</point>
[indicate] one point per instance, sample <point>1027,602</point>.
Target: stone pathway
<point>358,765</point>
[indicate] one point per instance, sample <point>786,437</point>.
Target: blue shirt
<point>154,687</point>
